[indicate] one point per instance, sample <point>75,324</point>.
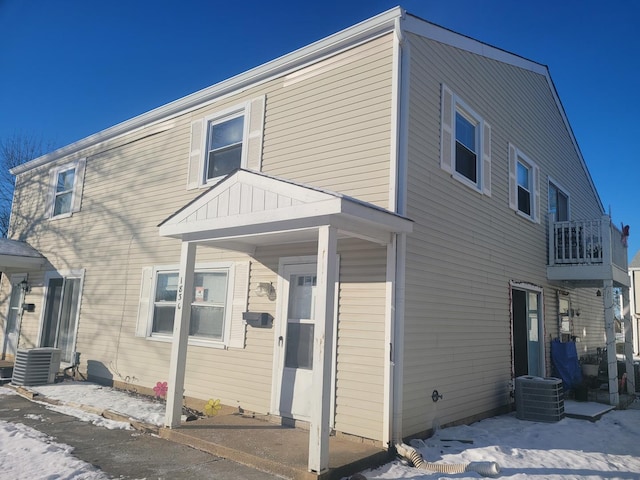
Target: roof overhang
<point>248,209</point>
<point>16,256</point>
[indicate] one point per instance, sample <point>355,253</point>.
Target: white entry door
<point>295,341</point>
<point>12,329</point>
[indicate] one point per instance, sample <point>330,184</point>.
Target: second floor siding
<point>326,125</point>
<point>329,124</point>
<point>521,111</point>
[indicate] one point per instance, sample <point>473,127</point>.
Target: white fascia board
<point>379,218</point>
<point>440,34</point>
<point>20,262</point>
<point>347,38</point>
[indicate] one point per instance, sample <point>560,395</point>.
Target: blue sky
<point>70,68</point>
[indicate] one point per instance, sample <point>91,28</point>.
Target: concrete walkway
<point>125,454</point>
<point>252,445</point>
<point>272,447</point>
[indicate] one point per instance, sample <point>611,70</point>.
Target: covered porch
<point>17,260</point>
<point>593,254</point>
<point>249,210</point>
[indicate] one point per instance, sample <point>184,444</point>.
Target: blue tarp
<point>565,359</point>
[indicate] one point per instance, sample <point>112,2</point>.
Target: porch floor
<point>274,448</point>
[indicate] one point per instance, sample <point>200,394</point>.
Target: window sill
<point>467,183</point>
<point>193,341</point>
<point>526,217</point>
<point>62,215</point>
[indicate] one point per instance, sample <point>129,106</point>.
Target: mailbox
<point>29,307</point>
<point>258,319</point>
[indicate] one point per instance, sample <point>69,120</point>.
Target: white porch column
<point>322,341</point>
<point>610,332</point>
<point>180,335</point>
<point>628,341</point>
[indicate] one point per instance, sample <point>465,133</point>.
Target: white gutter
<point>363,31</point>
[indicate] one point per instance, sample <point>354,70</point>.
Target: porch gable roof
<point>247,205</point>
<point>17,256</point>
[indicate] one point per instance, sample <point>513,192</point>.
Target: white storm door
<point>12,330</point>
<point>296,341</point>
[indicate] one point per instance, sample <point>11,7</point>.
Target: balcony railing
<point>586,242</point>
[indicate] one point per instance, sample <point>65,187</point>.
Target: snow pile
<point>570,448</point>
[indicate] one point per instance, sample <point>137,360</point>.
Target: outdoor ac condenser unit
<point>36,366</point>
<point>539,399</point>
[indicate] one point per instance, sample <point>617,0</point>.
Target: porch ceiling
<point>247,209</point>
<point>16,256</point>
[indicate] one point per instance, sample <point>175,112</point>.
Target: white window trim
<point>452,104</point>
<point>49,275</point>
<point>76,193</point>
<point>229,267</point>
<point>252,141</point>
<point>551,180</point>
<point>517,156</point>
<point>220,117</point>
<point>459,107</point>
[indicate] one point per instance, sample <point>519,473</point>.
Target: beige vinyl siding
<point>467,247</point>
<point>360,344</point>
<point>360,340</point>
<point>332,129</point>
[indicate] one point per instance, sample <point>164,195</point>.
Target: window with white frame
<point>225,141</point>
<point>209,303</point>
<point>465,149</point>
<point>66,189</point>
<point>467,143</point>
<point>523,185</point>
<point>225,137</point>
<point>558,203</point>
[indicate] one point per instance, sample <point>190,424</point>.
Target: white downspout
<point>396,251</point>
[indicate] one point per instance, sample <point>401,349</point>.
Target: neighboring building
<point>375,234</point>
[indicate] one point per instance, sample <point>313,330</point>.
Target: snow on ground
<point>73,394</point>
<point>570,448</point>
<point>577,449</point>
<point>27,453</point>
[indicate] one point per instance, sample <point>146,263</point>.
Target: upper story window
<point>523,185</point>
<point>558,203</point>
<point>224,146</point>
<point>467,142</point>
<point>225,141</point>
<point>465,149</point>
<point>66,189</point>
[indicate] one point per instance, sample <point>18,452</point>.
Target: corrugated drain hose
<point>486,469</point>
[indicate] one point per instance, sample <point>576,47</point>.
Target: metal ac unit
<point>539,399</point>
<point>36,366</point>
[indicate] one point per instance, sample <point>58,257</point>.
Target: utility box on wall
<point>539,399</point>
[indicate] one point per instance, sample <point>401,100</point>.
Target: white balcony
<point>587,252</point>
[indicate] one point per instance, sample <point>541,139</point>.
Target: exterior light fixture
<point>24,285</point>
